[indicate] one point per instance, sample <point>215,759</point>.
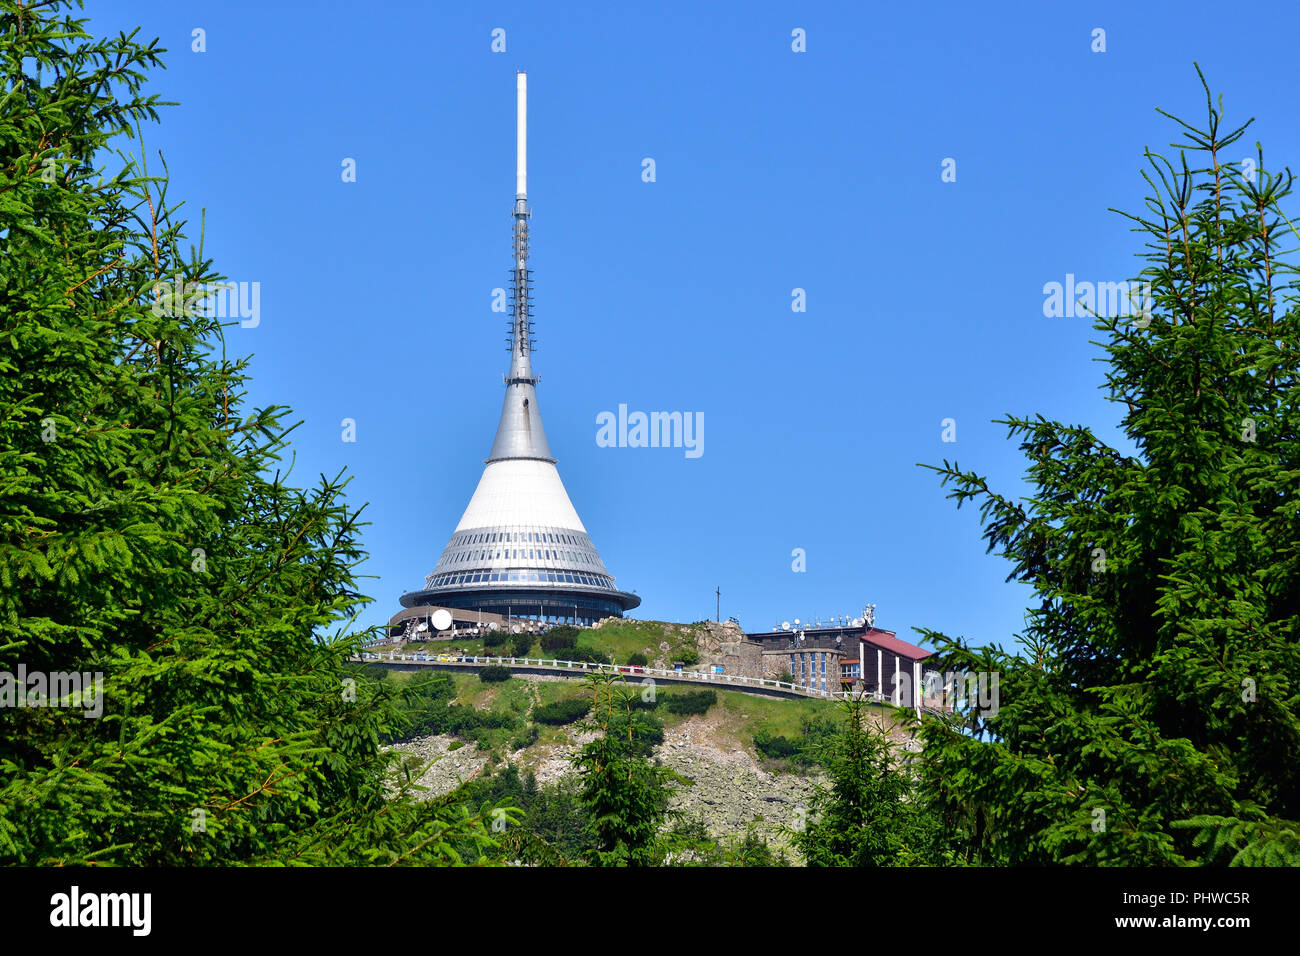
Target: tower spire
<point>520,433</point>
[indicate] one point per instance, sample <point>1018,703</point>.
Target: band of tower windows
<point>532,554</point>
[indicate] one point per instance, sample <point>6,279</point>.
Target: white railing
<point>635,670</point>
<point>626,669</point>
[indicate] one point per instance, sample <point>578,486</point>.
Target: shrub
<point>426,685</point>
<point>495,638</point>
<point>455,745</point>
<point>520,645</point>
<point>591,655</point>
<point>688,655</point>
<point>491,719</point>
<point>815,733</point>
<point>637,659</point>
<point>773,747</point>
<point>691,702</point>
<point>426,709</point>
<point>579,654</point>
<point>564,711</point>
<point>562,636</point>
<point>494,673</point>
<point>525,738</point>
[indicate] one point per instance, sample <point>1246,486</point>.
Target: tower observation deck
<point>520,548</point>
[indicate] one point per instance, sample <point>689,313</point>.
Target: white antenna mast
<point>521,136</point>
<point>521,324</point>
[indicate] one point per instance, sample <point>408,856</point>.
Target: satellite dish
<point>858,622</point>
<point>785,625</point>
<point>492,625</point>
<point>796,622</point>
<point>514,628</point>
<point>442,619</point>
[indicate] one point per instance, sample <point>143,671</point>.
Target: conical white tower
<point>520,547</point>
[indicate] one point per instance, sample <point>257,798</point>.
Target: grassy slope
<point>625,637</point>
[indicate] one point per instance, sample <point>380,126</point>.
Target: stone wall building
<point>742,657</point>
<point>853,657</point>
<point>814,668</point>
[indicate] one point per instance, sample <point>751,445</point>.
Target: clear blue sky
<point>775,170</point>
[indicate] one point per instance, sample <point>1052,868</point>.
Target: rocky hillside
<point>720,782</point>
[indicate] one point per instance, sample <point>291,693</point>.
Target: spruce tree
<point>625,795</point>
<point>1153,714</point>
<point>147,531</point>
<point>869,815</point>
